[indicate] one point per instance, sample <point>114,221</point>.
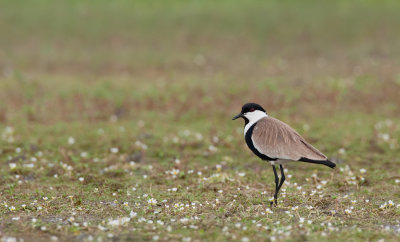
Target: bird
<point>276,142</point>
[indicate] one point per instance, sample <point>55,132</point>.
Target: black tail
<point>322,162</point>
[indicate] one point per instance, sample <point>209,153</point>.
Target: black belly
<point>250,144</point>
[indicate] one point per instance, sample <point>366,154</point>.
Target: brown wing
<point>276,139</point>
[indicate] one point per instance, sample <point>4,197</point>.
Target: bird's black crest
<point>250,107</point>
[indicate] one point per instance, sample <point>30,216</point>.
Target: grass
<point>108,105</point>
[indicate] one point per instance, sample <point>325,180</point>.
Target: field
<point>115,119</point>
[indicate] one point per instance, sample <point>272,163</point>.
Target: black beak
<point>238,116</point>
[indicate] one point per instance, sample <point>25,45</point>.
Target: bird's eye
<point>251,109</point>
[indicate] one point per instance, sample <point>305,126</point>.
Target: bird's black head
<point>250,111</point>
<point>251,107</point>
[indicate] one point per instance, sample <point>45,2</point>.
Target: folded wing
<point>276,139</point>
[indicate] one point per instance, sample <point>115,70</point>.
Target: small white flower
<point>362,170</point>
<point>212,148</point>
<point>215,139</point>
<point>71,140</point>
<point>152,201</point>
<point>245,239</point>
<point>81,179</point>
<point>132,214</point>
<point>12,166</point>
<point>385,137</point>
<point>114,150</point>
<point>175,172</point>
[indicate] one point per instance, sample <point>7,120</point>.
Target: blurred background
<point>197,60</point>
<point>83,60</point>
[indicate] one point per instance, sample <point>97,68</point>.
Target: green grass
<point>161,81</point>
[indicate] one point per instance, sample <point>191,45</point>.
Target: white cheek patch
<point>253,117</point>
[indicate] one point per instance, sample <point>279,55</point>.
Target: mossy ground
<point>115,119</point>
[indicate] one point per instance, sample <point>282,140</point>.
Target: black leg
<point>282,178</point>
<point>276,186</point>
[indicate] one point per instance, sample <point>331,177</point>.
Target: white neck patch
<point>253,117</point>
